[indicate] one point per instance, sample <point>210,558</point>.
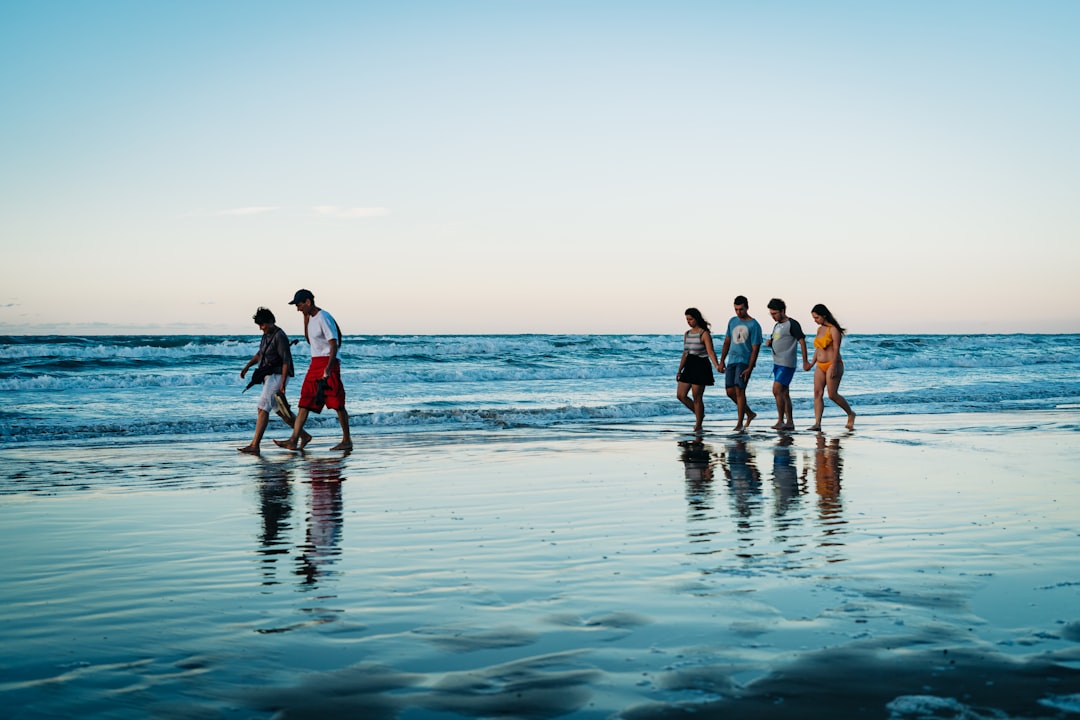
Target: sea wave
<point>62,387</point>
<point>438,418</point>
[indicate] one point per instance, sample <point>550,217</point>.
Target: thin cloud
<point>255,210</point>
<point>358,212</point>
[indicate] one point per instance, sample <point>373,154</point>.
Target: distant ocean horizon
<point>68,387</point>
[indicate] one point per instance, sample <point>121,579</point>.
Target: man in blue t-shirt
<point>741,345</point>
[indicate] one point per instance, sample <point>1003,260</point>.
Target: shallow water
<point>923,571</point>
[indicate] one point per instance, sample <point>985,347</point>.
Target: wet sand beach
<point>920,569</point>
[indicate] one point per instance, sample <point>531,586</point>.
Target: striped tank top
<point>694,345</point>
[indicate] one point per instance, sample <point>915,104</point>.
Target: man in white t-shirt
<point>787,334</point>
<point>322,384</point>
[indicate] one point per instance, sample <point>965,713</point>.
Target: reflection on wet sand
<point>793,528</point>
<point>322,546</point>
<point>320,550</point>
<point>699,461</point>
<point>739,465</point>
<point>275,507</point>
<point>828,462</point>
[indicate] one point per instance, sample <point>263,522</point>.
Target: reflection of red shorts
<point>335,391</point>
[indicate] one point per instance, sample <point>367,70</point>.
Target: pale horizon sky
<point>567,167</point>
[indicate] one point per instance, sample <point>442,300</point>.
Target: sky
<point>513,166</point>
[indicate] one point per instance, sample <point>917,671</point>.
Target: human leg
<point>681,392</point>
<point>293,443</point>
<point>782,376</point>
<point>778,396</point>
<point>262,419</point>
<point>346,436</point>
<point>699,406</point>
<point>744,410</point>
<point>836,372</point>
<point>819,398</point>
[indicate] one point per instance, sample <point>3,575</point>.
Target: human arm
<point>330,358</point>
<point>724,351</point>
<point>286,370</point>
<point>808,365</point>
<point>682,363</point>
<point>805,362</point>
<point>707,339</point>
<point>284,351</point>
<point>253,361</point>
<point>754,350</point>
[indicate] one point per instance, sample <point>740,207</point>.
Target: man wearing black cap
<point>322,384</point>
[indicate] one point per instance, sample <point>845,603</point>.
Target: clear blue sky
<point>519,166</point>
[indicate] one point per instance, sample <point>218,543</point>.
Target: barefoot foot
<point>850,421</point>
<point>815,427</point>
<point>250,450</point>
<point>343,446</point>
<point>287,445</point>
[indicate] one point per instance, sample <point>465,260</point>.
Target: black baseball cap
<point>301,296</point>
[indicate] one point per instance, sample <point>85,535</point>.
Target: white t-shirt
<point>321,330</point>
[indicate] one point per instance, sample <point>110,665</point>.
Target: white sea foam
<point>61,387</point>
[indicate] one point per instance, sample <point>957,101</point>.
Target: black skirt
<point>697,370</point>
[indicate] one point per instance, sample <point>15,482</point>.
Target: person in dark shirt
<point>274,368</point>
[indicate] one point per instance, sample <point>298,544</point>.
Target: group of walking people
<point>739,355</point>
<point>322,386</point>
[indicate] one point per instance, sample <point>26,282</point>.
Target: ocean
<point>60,388</point>
<point>528,528</point>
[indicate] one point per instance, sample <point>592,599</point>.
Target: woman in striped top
<point>695,371</point>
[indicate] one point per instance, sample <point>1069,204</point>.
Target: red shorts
<point>335,391</point>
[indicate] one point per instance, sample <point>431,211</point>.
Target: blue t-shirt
<point>744,334</point>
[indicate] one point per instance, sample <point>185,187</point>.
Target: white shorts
<point>271,385</point>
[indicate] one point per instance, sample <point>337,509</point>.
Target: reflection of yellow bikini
<point>821,342</point>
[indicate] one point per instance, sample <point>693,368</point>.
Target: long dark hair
<point>823,311</point>
<point>701,321</point>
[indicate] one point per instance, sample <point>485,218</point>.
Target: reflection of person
<point>785,475</point>
<point>322,384</point>
<point>787,334</point>
<point>830,366</point>
<point>695,372</point>
<point>323,539</point>
<point>741,346</point>
<point>698,460</point>
<point>275,507</point>
<point>275,367</point>
<point>744,481</point>
<point>827,465</point>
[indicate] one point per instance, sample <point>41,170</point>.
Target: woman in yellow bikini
<point>830,367</point>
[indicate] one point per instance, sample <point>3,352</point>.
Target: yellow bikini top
<point>823,341</point>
